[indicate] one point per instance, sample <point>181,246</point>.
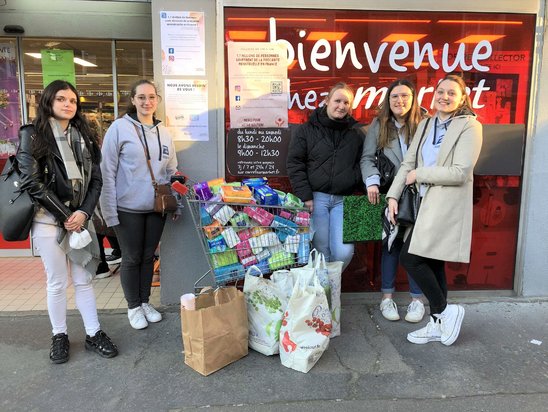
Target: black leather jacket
<point>46,180</point>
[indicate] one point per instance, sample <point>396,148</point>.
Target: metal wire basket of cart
<point>235,236</point>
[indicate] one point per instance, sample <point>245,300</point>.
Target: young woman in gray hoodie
<point>127,199</point>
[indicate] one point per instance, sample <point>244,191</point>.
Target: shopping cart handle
<point>179,188</point>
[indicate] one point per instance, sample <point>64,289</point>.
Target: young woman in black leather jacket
<point>59,162</point>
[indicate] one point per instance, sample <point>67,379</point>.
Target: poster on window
<point>182,43</point>
<point>186,109</point>
<point>9,101</point>
<point>257,74</point>
<point>58,65</point>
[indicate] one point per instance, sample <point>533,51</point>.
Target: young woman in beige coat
<point>446,155</point>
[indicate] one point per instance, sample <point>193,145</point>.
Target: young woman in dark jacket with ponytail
<point>323,164</point>
<point>59,162</point>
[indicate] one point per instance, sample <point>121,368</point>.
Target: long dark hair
<point>412,117</point>
<point>131,109</point>
<point>44,141</point>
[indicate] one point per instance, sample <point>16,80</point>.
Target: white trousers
<point>57,267</point>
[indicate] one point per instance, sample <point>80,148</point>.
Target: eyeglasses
<point>142,98</point>
<point>404,96</point>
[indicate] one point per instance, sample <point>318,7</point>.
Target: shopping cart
<point>235,236</point>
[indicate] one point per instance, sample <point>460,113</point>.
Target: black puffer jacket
<point>324,156</point>
<point>46,181</point>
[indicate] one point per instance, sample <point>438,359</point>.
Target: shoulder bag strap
<point>146,157</point>
<point>420,141</point>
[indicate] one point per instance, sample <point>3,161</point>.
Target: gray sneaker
<point>451,321</point>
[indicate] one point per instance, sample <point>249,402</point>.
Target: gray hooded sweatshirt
<point>127,184</point>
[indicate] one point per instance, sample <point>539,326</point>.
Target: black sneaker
<point>101,344</point>
<point>103,271</point>
<point>114,259</point>
<point>59,352</point>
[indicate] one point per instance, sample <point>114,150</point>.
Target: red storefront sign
<point>370,49</point>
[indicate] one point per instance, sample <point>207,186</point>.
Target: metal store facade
<point>506,74</point>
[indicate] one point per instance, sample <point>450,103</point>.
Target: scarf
<point>78,172</point>
<point>74,167</point>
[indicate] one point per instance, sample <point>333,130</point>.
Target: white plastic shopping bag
<point>265,308</point>
<point>329,275</point>
<point>283,279</point>
<point>304,334</point>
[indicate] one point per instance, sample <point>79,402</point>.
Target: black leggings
<point>138,235</point>
<point>429,275</point>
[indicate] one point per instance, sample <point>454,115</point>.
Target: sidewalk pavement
<point>493,366</point>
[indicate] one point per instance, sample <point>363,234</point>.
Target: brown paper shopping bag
<point>216,333</point>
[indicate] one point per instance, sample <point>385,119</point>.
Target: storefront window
<point>9,99</point>
<point>92,69</point>
<point>369,50</point>
<point>133,62</point>
<point>10,114</point>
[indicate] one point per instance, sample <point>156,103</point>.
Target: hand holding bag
<point>17,208</point>
<point>408,206</point>
<point>409,202</point>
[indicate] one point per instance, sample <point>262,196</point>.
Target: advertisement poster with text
<point>183,43</point>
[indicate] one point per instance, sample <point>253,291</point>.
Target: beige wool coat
<point>443,229</point>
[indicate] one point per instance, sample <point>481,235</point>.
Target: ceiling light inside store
<point>246,35</point>
<point>476,38</point>
<point>407,37</point>
<point>77,60</point>
<point>327,35</point>
<point>381,21</point>
<point>481,22</point>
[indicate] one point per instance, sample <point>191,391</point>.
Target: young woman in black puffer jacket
<point>323,164</point>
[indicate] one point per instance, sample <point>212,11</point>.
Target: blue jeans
<point>389,269</point>
<point>327,218</point>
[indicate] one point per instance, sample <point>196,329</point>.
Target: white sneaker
<point>430,333</point>
<point>415,311</point>
<point>389,309</point>
<point>451,321</point>
<point>137,318</point>
<point>151,314</point>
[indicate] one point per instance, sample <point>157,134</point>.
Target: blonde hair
<point>341,86</point>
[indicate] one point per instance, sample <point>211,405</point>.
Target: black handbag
<point>408,206</point>
<point>17,207</point>
<point>387,170</point>
<point>410,200</point>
